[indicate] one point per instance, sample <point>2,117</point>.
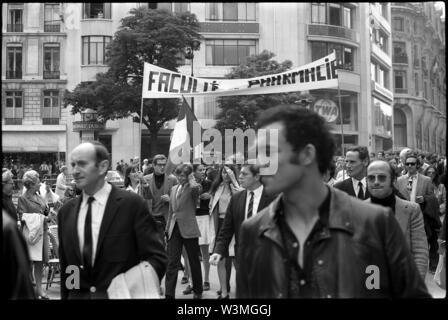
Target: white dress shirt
<point>257,196</point>
<point>98,207</point>
<point>356,186</point>
<point>413,192</point>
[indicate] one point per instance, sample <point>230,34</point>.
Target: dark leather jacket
<point>358,235</point>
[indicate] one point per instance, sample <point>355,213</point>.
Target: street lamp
<point>189,54</point>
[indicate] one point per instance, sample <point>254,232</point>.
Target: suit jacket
<point>234,219</point>
<point>359,235</point>
<point>183,211</point>
<point>410,219</point>
<point>169,182</point>
<point>424,186</point>
<point>347,186</point>
<point>127,236</point>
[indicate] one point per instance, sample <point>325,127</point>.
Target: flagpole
<point>342,126</point>
<point>140,135</point>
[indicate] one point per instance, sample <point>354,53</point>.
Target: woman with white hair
<point>33,212</point>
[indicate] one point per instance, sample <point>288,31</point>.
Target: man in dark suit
<point>104,232</point>
<point>356,162</point>
<point>242,206</point>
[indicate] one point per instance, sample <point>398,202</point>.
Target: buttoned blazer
<point>183,211</point>
<point>128,235</point>
<point>347,186</point>
<point>424,186</point>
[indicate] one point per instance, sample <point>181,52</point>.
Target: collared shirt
<point>413,191</point>
<point>98,207</point>
<point>300,284</point>
<point>257,197</point>
<point>356,186</point>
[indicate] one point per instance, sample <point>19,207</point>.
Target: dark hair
<point>436,179</point>
<point>218,178</point>
<point>415,156</point>
<point>254,169</point>
<point>127,179</point>
<point>101,152</point>
<point>302,127</point>
<point>184,168</point>
<point>196,166</point>
<point>362,151</point>
<point>332,169</point>
<point>158,157</point>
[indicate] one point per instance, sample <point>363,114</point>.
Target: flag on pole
<point>183,148</point>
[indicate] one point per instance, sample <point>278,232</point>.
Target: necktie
<point>87,251</point>
<point>251,205</point>
<point>360,192</point>
<point>179,192</point>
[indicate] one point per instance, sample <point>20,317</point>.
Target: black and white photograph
<point>223,151</point>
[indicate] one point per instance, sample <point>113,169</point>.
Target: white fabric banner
<point>160,83</point>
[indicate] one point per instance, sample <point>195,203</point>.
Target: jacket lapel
<point>75,236</point>
<point>400,214</point>
<point>420,183</point>
<point>109,214</point>
<point>216,197</point>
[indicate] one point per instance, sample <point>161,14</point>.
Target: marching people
<point>224,186</point>
<point>311,241</point>
<point>33,212</point>
<point>182,230</point>
<point>439,187</point>
<point>380,182</point>
<point>104,232</point>
<point>160,185</point>
<point>61,182</point>
<point>7,191</point>
<point>356,162</point>
<point>243,205</point>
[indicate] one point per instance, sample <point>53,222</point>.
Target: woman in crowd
<point>439,187</point>
<point>222,189</point>
<point>133,182</point>
<point>33,212</point>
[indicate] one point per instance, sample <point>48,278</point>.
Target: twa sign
<point>327,109</point>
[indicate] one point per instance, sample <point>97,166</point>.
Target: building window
<point>398,24</point>
<point>318,12</point>
<point>97,10</point>
<point>52,20</point>
<point>51,61</point>
<point>400,80</point>
<point>229,52</point>
<point>425,92</point>
<point>380,38</point>
<point>416,85</point>
<point>415,27</point>
<point>51,110</point>
<point>344,54</point>
<point>13,112</point>
<point>94,49</point>
<point>348,18</point>
<point>399,52</point>
<point>15,22</point>
<point>230,11</point>
<point>334,14</point>
<point>14,61</point>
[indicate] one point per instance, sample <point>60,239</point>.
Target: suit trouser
<point>174,251</point>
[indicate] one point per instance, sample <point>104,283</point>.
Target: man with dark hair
<point>380,182</point>
<point>356,162</point>
<point>104,232</point>
<point>313,240</point>
<point>160,185</point>
<point>242,206</point>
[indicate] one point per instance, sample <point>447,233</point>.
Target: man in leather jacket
<point>314,241</point>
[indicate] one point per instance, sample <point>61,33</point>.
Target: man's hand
<point>165,198</point>
<point>215,258</point>
<point>419,199</point>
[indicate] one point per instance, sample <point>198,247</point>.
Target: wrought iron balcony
<point>400,58</point>
<point>52,27</point>
<point>332,31</point>
<point>50,120</point>
<point>401,90</point>
<point>13,74</point>
<point>14,27</point>
<point>51,74</point>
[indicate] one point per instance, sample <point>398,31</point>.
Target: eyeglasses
<point>381,178</point>
<point>161,164</point>
<point>411,163</point>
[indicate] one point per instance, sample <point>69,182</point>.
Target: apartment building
<point>419,76</point>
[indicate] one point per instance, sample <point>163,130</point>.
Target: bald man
<point>106,231</point>
<point>380,183</point>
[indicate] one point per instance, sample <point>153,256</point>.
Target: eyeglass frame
<point>381,178</point>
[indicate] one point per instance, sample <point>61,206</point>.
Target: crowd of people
<point>312,229</point>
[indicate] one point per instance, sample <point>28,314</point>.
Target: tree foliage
<point>242,111</point>
<point>146,35</point>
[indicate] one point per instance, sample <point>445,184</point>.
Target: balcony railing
<point>14,28</point>
<point>50,120</point>
<point>400,58</point>
<point>51,27</point>
<point>332,31</point>
<point>345,66</point>
<point>51,74</point>
<point>13,121</point>
<point>13,74</point>
<point>401,90</point>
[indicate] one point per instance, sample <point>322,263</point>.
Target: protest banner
<point>160,83</point>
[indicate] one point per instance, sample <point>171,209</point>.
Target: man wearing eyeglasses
<point>380,183</point>
<point>160,185</point>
